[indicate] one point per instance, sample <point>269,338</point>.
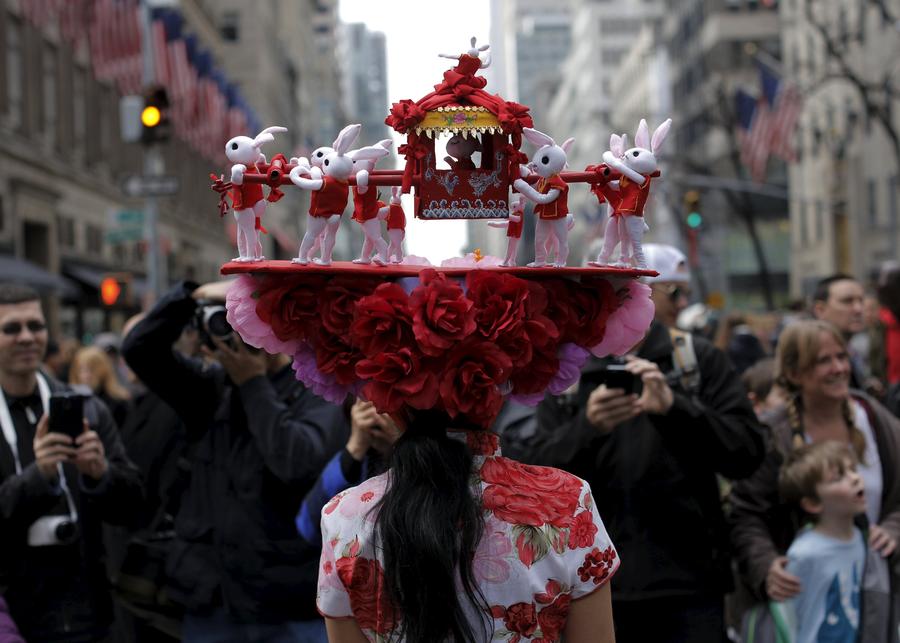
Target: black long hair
<point>428,526</point>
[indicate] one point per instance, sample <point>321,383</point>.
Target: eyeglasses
<point>14,328</point>
<point>675,291</point>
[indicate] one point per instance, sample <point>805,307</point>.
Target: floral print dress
<point>543,546</point>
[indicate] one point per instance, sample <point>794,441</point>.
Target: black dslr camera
<point>209,320</point>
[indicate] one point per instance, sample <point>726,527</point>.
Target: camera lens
<point>215,321</point>
<point>66,532</point>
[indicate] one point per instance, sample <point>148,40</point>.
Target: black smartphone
<point>67,414</point>
<point>616,376</point>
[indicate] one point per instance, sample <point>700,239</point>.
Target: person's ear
<point>819,308</point>
<point>811,506</point>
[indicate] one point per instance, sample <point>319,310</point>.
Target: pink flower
<point>240,304</point>
<point>571,358</point>
<point>627,325</point>
<point>489,564</point>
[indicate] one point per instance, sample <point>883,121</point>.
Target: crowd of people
<point>747,482</point>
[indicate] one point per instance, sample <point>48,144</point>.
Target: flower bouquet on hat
<point>439,341</point>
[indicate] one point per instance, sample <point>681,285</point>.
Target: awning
<point>31,274</point>
<point>91,277</point>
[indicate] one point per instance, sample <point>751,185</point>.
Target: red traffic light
<point>110,291</point>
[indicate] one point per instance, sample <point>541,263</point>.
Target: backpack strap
<point>684,359</point>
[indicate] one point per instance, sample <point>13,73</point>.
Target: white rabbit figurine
<point>329,197</point>
<point>396,225</point>
<point>550,195</point>
<point>472,60</point>
<point>627,197</point>
<point>513,230</point>
<point>366,204</point>
<point>247,199</point>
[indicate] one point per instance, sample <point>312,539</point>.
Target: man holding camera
<point>650,433</point>
<point>257,440</point>
<point>62,474</point>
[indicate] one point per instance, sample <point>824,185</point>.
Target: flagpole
<point>153,166</point>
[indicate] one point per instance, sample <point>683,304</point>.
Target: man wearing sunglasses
<point>650,433</point>
<point>55,489</point>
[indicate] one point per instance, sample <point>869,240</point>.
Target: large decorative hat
<point>454,339</point>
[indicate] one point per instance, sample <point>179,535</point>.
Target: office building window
<point>14,78</point>
<point>230,28</point>
<point>803,232</point>
<point>79,110</point>
<point>50,95</point>
<point>94,240</point>
<point>871,191</point>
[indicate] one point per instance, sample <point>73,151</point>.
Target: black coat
<point>654,477</point>
<point>60,593</point>
<point>236,541</point>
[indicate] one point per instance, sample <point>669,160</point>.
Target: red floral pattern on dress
<point>543,547</point>
<point>597,565</point>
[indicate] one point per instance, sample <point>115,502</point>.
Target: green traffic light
<point>694,220</point>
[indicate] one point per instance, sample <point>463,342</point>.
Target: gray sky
<point>416,31</point>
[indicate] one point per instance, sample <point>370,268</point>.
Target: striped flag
<point>754,133</point>
<point>787,107</point>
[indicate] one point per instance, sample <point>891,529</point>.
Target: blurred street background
<point>782,166</point>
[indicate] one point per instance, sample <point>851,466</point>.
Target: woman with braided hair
<point>813,368</point>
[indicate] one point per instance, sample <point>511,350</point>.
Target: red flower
<point>522,494</point>
<point>499,302</point>
<point>382,321</point>
<point>442,315</point>
<point>470,381</point>
<point>552,618</point>
<point>583,531</point>
<point>328,567</point>
<point>536,375</point>
<point>367,496</point>
<point>482,442</point>
<point>520,618</point>
<point>332,504</point>
<point>336,357</point>
<point>597,565</point>
<point>396,379</point>
<point>513,117</point>
<point>404,115</point>
<point>592,304</point>
<point>338,302</point>
<point>290,306</point>
<point>369,600</point>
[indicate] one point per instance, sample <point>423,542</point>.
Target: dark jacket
<point>654,477</point>
<point>764,527</point>
<point>236,542</point>
<point>60,592</point>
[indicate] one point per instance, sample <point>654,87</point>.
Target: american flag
<point>766,123</point>
<point>788,104</point>
<point>205,109</point>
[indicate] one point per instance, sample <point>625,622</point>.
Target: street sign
<point>150,185</point>
<point>124,225</point>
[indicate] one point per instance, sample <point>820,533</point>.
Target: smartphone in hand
<point>67,414</point>
<point>617,376</point>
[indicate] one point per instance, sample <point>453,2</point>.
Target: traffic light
<point>692,218</point>
<point>115,289</point>
<point>155,126</point>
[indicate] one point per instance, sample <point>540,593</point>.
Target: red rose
<point>337,302</point>
<point>500,302</point>
<point>404,115</point>
<point>520,618</point>
<point>290,306</point>
<point>583,531</point>
<point>442,315</point>
<point>592,304</point>
<point>514,117</point>
<point>559,306</point>
<point>396,379</point>
<point>382,321</point>
<point>535,376</point>
<point>552,618</point>
<point>336,357</point>
<point>522,494</point>
<point>470,381</point>
<point>369,600</point>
